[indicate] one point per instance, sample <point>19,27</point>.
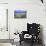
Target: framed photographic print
<point>20,14</point>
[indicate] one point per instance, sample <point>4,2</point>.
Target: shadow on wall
<point>41,34</point>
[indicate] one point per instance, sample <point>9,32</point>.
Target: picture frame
<point>20,14</point>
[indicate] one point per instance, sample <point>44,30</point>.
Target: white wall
<point>35,13</point>
<point>3,1</point>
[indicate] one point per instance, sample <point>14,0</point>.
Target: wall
<point>35,13</point>
<point>3,1</point>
